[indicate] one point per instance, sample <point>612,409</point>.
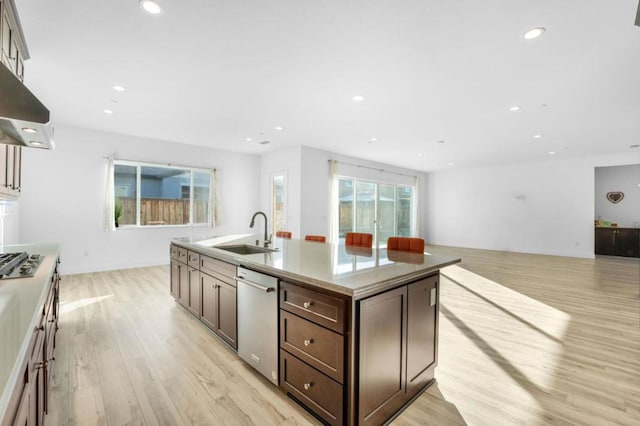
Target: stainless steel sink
<point>245,249</point>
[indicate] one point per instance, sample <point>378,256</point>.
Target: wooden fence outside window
<point>161,211</point>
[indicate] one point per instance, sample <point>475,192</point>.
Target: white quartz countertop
<point>21,301</point>
<point>353,271</point>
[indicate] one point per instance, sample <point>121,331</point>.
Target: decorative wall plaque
<point>615,197</point>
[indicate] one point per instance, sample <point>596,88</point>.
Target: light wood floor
<point>524,339</point>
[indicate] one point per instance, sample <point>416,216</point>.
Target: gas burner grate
<point>8,261</point>
<point>18,265</point>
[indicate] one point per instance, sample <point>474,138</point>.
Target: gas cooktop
<point>19,265</point>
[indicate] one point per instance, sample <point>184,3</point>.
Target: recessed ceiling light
<point>248,139</point>
<point>358,98</point>
<point>278,128</point>
<point>35,143</point>
<point>419,154</point>
<point>551,152</point>
<point>372,140</point>
<point>264,142</point>
<point>538,136</point>
<point>151,6</point>
<point>118,88</point>
<point>451,164</point>
<point>108,111</point>
<point>29,130</point>
<point>534,33</point>
<point>514,108</point>
<point>440,141</point>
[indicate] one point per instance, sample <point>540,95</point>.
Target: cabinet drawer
<point>317,346</point>
<point>173,250</point>
<point>318,392</point>
<point>216,267</point>
<point>317,307</point>
<point>193,259</point>
<point>182,254</point>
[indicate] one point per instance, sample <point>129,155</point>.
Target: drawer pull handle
<point>307,386</point>
<point>307,305</point>
<point>307,342</point>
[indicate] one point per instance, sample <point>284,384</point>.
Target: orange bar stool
<point>283,234</point>
<point>358,239</point>
<point>318,238</point>
<point>410,244</point>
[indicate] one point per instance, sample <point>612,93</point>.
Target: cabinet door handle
<point>307,305</point>
<point>433,297</point>
<point>307,342</point>
<point>307,386</point>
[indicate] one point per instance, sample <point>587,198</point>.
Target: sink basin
<point>245,249</point>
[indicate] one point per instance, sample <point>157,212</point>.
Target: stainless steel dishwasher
<point>258,321</point>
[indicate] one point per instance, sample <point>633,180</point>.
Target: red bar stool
<point>318,238</point>
<point>358,239</point>
<point>410,244</point>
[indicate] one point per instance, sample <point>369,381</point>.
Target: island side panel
<point>397,348</point>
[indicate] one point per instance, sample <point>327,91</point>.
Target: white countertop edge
<point>47,265</point>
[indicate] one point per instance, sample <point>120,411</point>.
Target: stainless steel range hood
<point>24,120</point>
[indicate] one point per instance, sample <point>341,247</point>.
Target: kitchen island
<point>357,335</point>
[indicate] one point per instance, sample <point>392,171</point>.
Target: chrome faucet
<point>267,240</point>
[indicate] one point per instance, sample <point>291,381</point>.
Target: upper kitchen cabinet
<point>13,48</point>
<point>10,171</point>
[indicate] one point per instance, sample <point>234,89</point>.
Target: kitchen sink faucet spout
<point>267,240</point>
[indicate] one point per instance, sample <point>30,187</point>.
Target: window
<point>279,201</point>
<point>381,209</point>
<point>156,195</point>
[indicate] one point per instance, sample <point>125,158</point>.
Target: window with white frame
<point>158,195</point>
<point>381,209</point>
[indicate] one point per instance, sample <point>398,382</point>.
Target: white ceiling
<point>214,72</point>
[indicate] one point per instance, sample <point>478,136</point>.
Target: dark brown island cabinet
<point>618,242</point>
<point>29,401</point>
<point>347,360</point>
<point>206,287</point>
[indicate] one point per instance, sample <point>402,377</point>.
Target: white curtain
<point>214,204</point>
<point>109,200</point>
<point>333,201</point>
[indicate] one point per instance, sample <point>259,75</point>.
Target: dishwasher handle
<point>255,285</point>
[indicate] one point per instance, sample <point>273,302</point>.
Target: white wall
<point>545,207</point>
<point>9,222</point>
<point>63,192</point>
<point>626,179</point>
